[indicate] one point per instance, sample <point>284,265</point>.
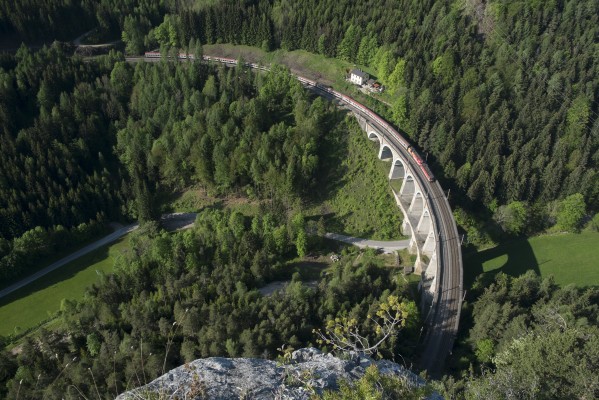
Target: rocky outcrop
<point>248,378</point>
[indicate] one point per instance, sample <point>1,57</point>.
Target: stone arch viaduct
<point>428,221</point>
<point>413,201</point>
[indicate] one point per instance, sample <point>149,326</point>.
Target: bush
<point>374,385</point>
<point>571,212</point>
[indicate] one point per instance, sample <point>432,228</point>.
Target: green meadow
<point>570,258</point>
<point>355,198</point>
<point>38,301</point>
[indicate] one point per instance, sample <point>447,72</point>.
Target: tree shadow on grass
<point>513,257</point>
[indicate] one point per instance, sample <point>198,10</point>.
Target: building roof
<point>359,72</point>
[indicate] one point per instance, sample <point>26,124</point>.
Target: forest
<point>175,297</point>
<point>57,139</point>
<point>84,143</point>
<point>532,339</point>
<point>503,96</point>
<point>35,21</point>
<point>506,118</point>
<point>60,180</point>
<point>178,297</point>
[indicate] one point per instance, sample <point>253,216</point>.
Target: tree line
<point>23,255</point>
<point>60,179</point>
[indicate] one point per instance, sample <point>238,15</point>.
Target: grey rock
<point>219,378</point>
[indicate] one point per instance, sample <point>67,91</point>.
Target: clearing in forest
<point>356,198</point>
<point>570,258</point>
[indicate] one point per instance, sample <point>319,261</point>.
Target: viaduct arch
<point>414,204</point>
<point>429,222</point>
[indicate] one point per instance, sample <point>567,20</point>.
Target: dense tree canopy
<point>177,297</point>
<point>187,125</point>
<point>59,177</point>
<point>57,134</point>
<point>503,94</point>
<point>83,142</point>
<point>535,340</point>
<point>35,20</point>
<point>494,90</point>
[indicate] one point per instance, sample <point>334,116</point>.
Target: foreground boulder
<point>309,371</point>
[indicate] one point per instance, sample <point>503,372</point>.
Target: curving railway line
<point>444,313</point>
<point>447,300</point>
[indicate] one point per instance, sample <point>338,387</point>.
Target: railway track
<point>444,314</point>
<point>447,300</point>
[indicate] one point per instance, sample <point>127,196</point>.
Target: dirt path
<point>71,257</point>
<point>386,246</point>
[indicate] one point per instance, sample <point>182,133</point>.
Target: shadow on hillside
<point>333,150</point>
<point>519,258</point>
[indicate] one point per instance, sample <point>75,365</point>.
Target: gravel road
<point>386,246</point>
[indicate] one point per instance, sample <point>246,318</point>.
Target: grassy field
<point>34,303</point>
<point>570,258</point>
<point>51,258</point>
<point>356,196</point>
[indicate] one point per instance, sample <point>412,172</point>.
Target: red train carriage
<point>427,172</point>
<point>415,155</point>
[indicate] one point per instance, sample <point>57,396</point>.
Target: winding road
<point>388,246</point>
<point>71,257</point>
<point>172,222</point>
